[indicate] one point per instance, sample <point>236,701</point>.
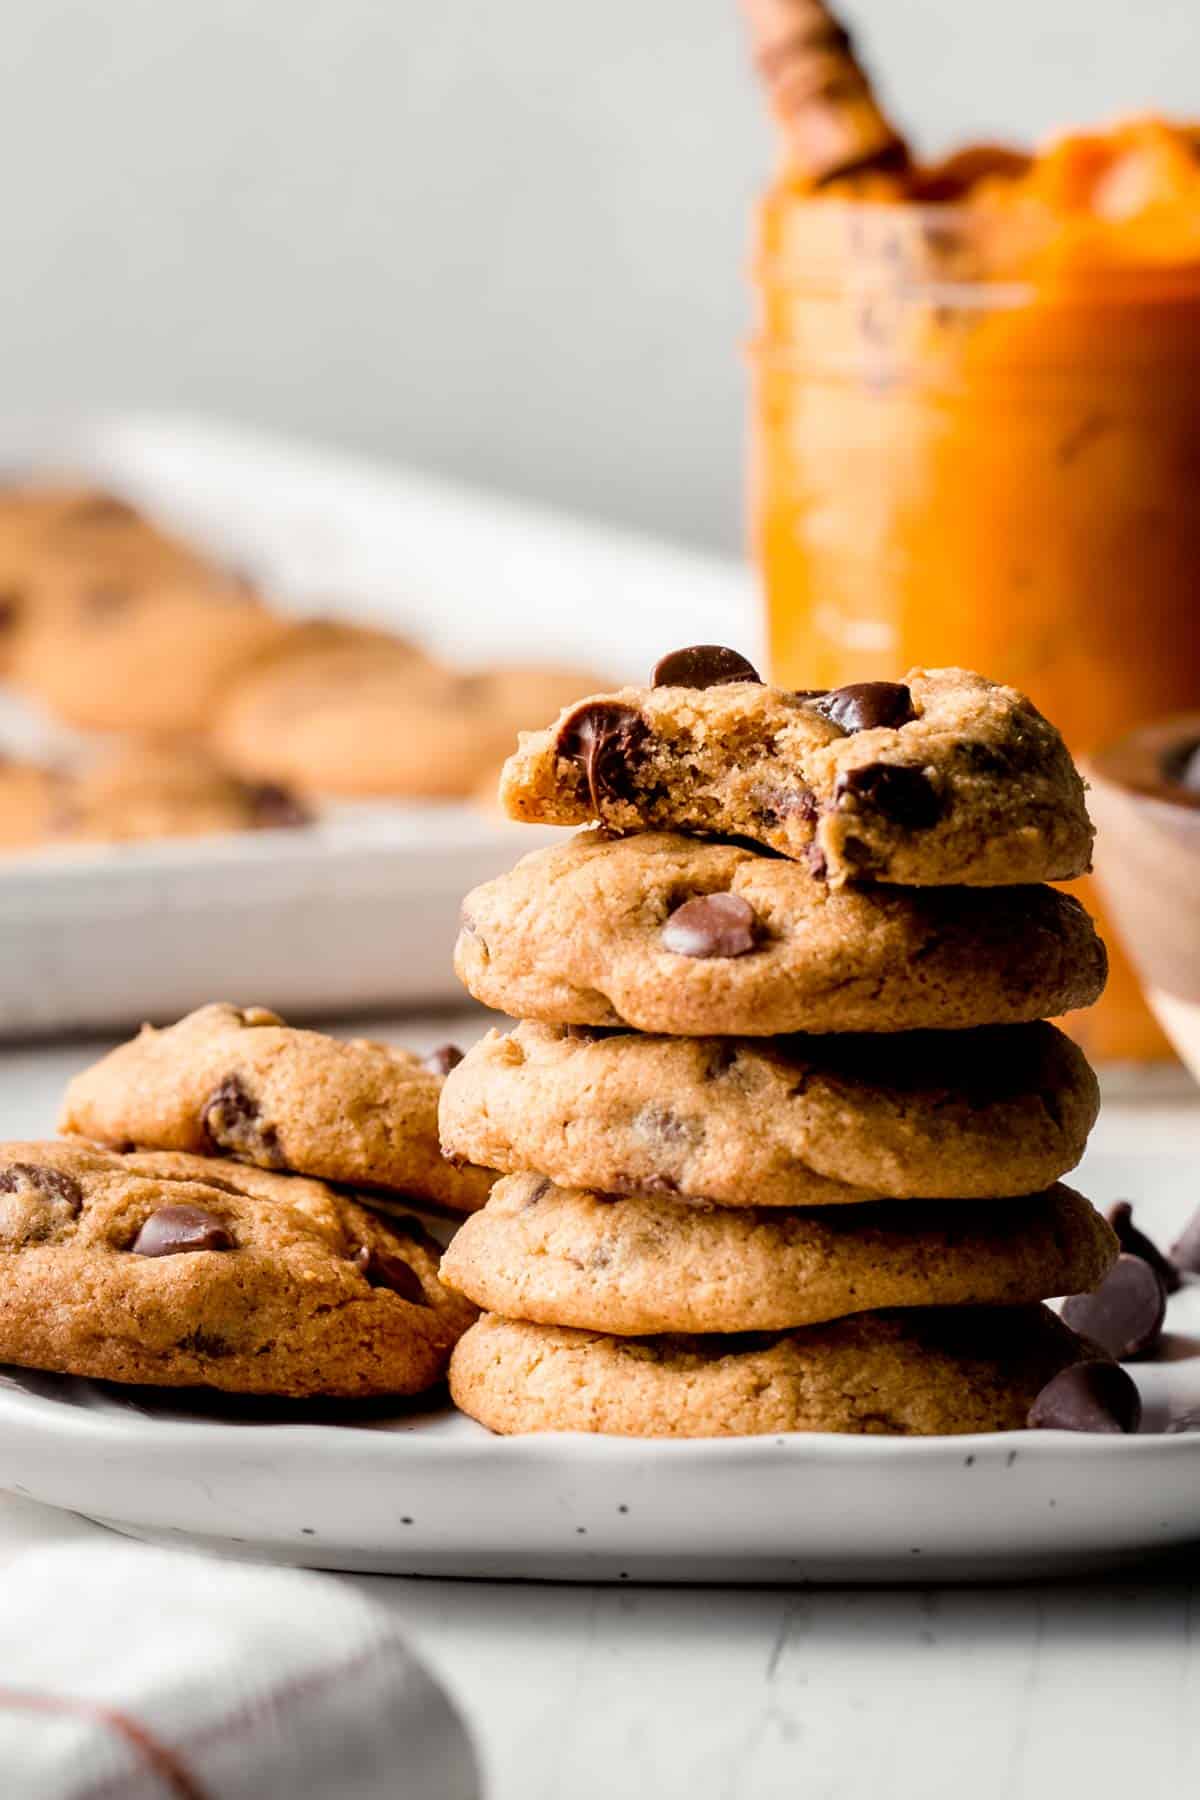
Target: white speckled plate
<point>421,1490</point>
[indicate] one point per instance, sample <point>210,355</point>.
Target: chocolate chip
<point>606,739</point>
<point>536,1188</point>
<point>443,1059</point>
<point>1185,1252</point>
<point>864,705</point>
<point>55,1184</point>
<point>904,795</point>
<point>232,1121</point>
<point>1089,1396</point>
<point>776,803</point>
<point>180,1230</point>
<point>391,1272</point>
<point>275,808</point>
<point>1125,1314</point>
<point>41,1203</point>
<point>1120,1217</point>
<point>661,1125</point>
<point>703,666</point>
<point>711,925</point>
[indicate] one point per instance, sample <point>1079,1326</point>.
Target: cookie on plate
<point>353,713</point>
<point>238,1082</point>
<point>775,1121</point>
<point>641,1264</point>
<point>151,788</point>
<point>904,1374</point>
<point>668,934</point>
<point>942,779</point>
<point>177,1271</point>
<point>142,656</point>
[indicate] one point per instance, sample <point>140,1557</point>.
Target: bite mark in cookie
<point>944,779</point>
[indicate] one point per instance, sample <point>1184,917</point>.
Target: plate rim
<point>55,1416</point>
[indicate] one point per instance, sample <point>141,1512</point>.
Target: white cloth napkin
<point>129,1673</point>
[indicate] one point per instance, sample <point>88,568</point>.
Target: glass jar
<point>956,463</point>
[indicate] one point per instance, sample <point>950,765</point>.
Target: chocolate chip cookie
<point>667,934</point>
<point>907,1374</point>
<point>133,655</point>
<point>55,538</point>
<point>643,1264</point>
<point>163,789</point>
<point>238,1082</point>
<point>352,714</point>
<point>776,1121</point>
<point>941,779</point>
<point>179,1271</point>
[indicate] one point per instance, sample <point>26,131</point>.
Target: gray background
<point>505,241</point>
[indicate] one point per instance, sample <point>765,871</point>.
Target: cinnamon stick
<point>820,94</point>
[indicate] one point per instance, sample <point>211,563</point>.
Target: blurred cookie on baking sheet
<point>356,713</point>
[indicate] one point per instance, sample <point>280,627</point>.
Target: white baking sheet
<point>359,912</point>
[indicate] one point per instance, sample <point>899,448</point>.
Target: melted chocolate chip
<point>1125,1314</point>
<point>53,1184</point>
<point>232,1121</point>
<point>391,1272</point>
<point>606,739</point>
<point>1185,1252</point>
<point>864,705</point>
<point>776,803</point>
<point>703,666</point>
<point>443,1059</point>
<point>711,925</point>
<point>1089,1396</point>
<point>180,1230</point>
<point>903,795</point>
<point>1120,1217</point>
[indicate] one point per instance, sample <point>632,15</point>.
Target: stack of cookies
<point>230,1208</point>
<point>782,1125</point>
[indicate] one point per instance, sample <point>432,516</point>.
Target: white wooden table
<point>593,1693</point>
